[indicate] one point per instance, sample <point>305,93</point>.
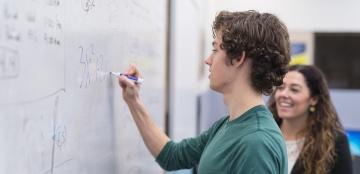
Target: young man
<point>250,56</point>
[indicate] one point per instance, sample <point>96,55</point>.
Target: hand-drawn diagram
<point>58,138</point>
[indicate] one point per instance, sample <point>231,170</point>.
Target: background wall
<point>308,16</point>
<point>186,60</point>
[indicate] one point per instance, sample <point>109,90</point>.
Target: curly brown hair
<point>263,38</point>
<point>318,153</point>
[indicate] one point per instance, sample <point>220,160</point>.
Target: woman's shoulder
<point>341,141</point>
<point>340,136</point>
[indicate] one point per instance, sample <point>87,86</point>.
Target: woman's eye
<point>295,90</point>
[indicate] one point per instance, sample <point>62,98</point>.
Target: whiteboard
<point>60,111</point>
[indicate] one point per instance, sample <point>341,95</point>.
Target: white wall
<point>347,104</point>
<point>304,15</point>
<point>185,60</point>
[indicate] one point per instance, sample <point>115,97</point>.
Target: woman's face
<point>293,97</point>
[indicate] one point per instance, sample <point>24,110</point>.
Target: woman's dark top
<point>343,161</point>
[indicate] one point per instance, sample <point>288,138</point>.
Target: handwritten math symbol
<point>51,40</point>
<point>9,63</point>
<point>53,2</point>
<point>60,136</point>
<point>87,5</point>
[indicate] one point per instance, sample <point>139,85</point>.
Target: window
<point>338,56</point>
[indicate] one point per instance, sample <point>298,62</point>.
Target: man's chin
<point>214,88</point>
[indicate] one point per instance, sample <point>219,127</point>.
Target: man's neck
<point>241,100</point>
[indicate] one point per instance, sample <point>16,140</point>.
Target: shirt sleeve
<point>343,162</point>
<point>258,154</point>
<point>186,153</point>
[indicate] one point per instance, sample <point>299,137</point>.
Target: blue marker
<point>133,78</point>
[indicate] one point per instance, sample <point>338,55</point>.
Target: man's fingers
<point>132,70</point>
<point>125,82</point>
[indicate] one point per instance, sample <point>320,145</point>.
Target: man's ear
<point>240,60</point>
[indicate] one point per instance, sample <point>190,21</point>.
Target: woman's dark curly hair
<point>263,38</point>
<point>318,153</point>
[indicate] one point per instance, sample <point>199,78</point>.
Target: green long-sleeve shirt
<point>252,143</point>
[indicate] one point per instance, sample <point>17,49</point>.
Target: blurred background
<point>323,33</point>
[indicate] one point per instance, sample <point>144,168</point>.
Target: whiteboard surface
<point>60,111</point>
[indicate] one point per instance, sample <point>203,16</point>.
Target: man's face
<point>218,66</point>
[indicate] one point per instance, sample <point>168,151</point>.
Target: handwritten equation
<point>9,63</point>
<point>93,66</point>
<point>53,23</point>
<point>11,15</point>
<point>51,39</point>
<point>32,25</point>
<point>87,5</point>
<point>53,2</point>
<point>12,34</point>
<point>53,27</point>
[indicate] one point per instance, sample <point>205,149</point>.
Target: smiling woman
<point>315,140</point>
<point>294,98</point>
